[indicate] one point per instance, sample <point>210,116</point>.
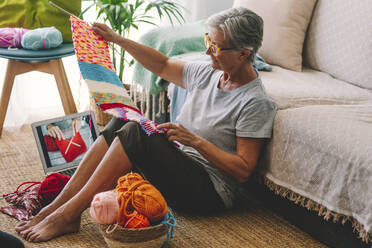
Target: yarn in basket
<point>137,221</point>
<point>105,207</point>
<point>135,193</point>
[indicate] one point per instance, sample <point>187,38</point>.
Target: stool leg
<point>11,72</point>
<point>63,87</point>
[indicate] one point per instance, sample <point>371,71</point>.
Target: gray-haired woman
<point>222,128</point>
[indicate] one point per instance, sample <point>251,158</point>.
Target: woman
<point>222,128</point>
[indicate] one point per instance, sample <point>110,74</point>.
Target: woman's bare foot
<point>56,224</point>
<point>24,225</point>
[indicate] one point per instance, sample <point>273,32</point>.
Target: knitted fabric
<point>105,87</point>
<point>50,143</point>
<point>71,148</point>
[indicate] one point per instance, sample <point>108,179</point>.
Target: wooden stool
<point>48,61</point>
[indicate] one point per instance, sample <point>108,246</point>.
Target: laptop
<point>62,142</point>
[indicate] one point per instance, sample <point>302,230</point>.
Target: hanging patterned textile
<point>105,87</point>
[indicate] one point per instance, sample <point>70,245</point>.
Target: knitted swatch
<point>105,87</point>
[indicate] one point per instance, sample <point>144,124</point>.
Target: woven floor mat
<point>252,227</point>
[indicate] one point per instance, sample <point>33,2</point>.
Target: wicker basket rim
<point>104,227</point>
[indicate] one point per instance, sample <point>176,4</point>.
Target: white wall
<point>202,9</point>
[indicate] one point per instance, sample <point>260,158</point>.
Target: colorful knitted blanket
<point>104,85</point>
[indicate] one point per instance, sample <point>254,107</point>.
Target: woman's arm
<point>156,62</point>
<point>239,166</point>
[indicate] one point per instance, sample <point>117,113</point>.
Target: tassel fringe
<point>322,210</point>
<point>146,101</point>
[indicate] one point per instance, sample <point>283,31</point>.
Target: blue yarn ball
<point>42,38</point>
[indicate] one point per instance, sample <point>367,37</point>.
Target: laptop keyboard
<point>68,172</point>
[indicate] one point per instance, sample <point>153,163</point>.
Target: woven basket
<point>148,237</point>
<point>102,118</point>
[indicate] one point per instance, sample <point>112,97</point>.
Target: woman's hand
<point>75,125</point>
<point>176,132</point>
<point>55,132</point>
<point>107,33</point>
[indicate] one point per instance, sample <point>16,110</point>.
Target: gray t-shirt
<point>220,116</point>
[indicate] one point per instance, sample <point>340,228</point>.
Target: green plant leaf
<point>167,13</point>
<point>117,11</point>
<point>85,10</point>
<point>148,22</point>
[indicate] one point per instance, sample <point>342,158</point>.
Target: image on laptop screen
<point>62,142</point>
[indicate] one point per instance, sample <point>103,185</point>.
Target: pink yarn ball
<point>11,37</point>
<point>105,207</point>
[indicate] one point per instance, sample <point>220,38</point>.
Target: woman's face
<point>224,60</point>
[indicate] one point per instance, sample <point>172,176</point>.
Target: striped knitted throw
<point>104,86</point>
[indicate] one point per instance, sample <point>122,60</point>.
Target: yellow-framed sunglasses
<point>214,48</point>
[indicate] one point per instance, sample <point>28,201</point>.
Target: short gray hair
<point>243,27</point>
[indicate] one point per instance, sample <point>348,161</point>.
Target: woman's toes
<point>28,234</point>
<point>33,237</point>
<point>20,226</point>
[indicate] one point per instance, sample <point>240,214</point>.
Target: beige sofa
<point>320,156</point>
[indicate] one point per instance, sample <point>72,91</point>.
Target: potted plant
<point>123,15</point>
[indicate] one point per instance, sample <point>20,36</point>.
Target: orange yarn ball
<point>135,193</point>
<point>137,221</point>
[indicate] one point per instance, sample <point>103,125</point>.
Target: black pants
<point>10,241</point>
<point>182,180</point>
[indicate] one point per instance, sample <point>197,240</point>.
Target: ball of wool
<point>11,37</point>
<point>127,181</point>
<point>42,38</point>
<point>104,207</point>
<point>52,185</point>
<point>150,202</point>
<point>136,193</point>
<point>137,221</point>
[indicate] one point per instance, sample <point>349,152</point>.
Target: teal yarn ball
<point>42,38</point>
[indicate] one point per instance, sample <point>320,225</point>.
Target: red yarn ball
<point>51,187</point>
<point>137,221</point>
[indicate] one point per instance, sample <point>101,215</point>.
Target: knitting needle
<point>61,9</point>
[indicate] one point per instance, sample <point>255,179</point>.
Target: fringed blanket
<point>105,88</point>
<point>320,158</point>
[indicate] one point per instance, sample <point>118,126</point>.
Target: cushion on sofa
<point>323,153</point>
<point>285,25</point>
<point>290,89</point>
<point>339,40</point>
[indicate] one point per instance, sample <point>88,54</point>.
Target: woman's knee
<point>109,131</point>
<point>131,139</point>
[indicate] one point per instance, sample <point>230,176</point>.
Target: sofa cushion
<point>295,89</point>
<point>285,25</point>
<point>339,40</point>
<point>323,153</point>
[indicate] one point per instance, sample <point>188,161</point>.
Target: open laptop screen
<point>62,142</point>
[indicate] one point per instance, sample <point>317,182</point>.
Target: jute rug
<point>252,226</point>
